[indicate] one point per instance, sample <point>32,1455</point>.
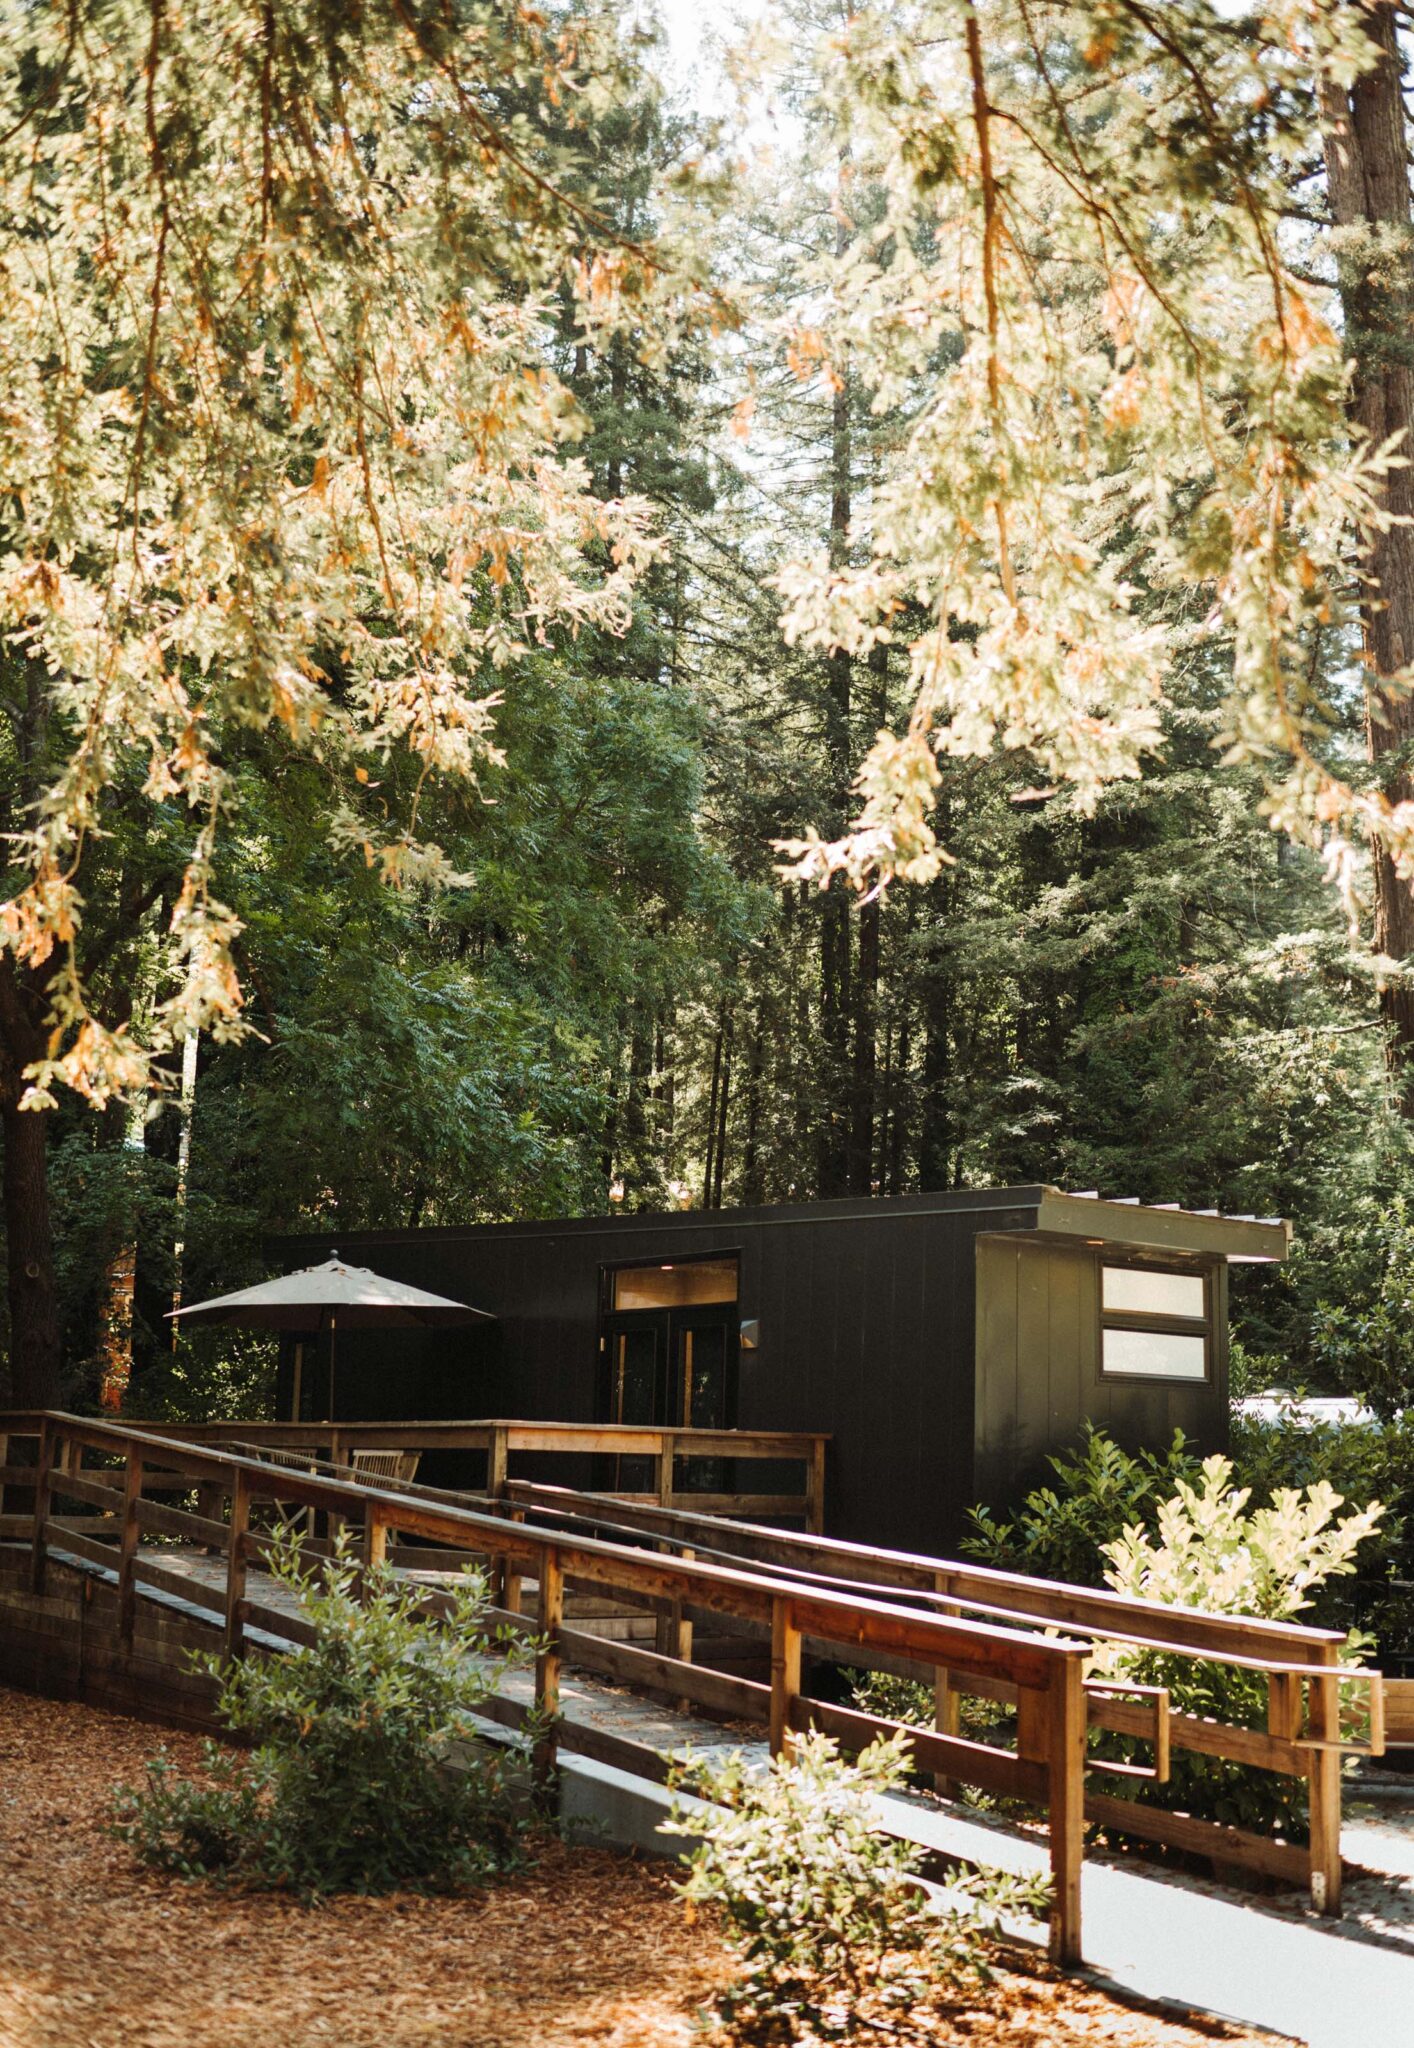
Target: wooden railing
<point>662,1449</point>
<point>1046,1766</point>
<point>1301,1667</point>
<point>1399,1713</point>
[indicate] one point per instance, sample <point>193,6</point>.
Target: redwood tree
<point>1367,175</point>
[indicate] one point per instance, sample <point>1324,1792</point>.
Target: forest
<point>561,652</point>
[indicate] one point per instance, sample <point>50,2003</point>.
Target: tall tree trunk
<point>712,1117</point>
<point>722,1110</point>
<point>1368,180</point>
<point>864,1063</point>
<point>835,990</point>
<point>752,1191</point>
<point>29,1232</point>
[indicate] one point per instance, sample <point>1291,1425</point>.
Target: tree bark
<point>29,1232</point>
<point>864,1074</point>
<point>836,1003</point>
<point>1368,182</point>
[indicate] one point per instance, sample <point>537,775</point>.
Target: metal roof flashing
<point>1241,1240</point>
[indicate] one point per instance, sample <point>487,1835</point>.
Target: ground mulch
<point>589,1947</point>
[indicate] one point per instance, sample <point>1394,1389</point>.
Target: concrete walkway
<point>1264,1961</point>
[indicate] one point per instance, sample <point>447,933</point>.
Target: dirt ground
<point>590,1947</point>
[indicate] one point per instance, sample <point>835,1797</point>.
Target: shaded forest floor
<point>589,1947</point>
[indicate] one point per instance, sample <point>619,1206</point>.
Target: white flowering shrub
<point>1208,1551</point>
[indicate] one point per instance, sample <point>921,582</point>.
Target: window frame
<point>610,1269</point>
<point>1142,1321</point>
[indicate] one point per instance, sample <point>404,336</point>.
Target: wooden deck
<point>744,1620</point>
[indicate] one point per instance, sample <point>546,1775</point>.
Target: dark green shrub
<point>833,1929</point>
<point>1362,1336</point>
<point>348,1786</point>
<point>1060,1531</point>
<point>1364,1462</point>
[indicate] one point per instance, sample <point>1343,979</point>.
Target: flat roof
<point>1085,1215</point>
<point>1164,1226</point>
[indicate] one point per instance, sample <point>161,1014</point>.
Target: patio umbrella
<point>332,1297</point>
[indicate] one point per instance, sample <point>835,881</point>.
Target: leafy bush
<point>348,1787</point>
<point>827,1913</point>
<point>1364,1463</point>
<point>1209,1552</point>
<point>1168,1528</point>
<point>1061,1530</point>
<point>1362,1340</point>
<point>912,1701</point>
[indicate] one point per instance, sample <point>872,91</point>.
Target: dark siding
<point>944,1362</point>
<point>867,1331</point>
<point>1038,1367</point>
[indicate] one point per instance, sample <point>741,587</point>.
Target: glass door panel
<point>638,1359</point>
<point>704,1344</point>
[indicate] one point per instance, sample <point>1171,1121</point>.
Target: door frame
<point>671,1392</point>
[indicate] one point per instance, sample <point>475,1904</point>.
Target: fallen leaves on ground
<point>587,1948</point>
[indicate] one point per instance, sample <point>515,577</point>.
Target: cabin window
<point>684,1283</point>
<point>1154,1323</point>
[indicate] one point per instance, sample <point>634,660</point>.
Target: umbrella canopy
<point>350,1297</point>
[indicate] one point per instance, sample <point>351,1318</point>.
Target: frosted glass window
<point>1142,1290</point>
<point>678,1284</point>
<point>1155,1354</point>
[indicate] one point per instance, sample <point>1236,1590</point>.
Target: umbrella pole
<point>299,1374</point>
<point>333,1338</point>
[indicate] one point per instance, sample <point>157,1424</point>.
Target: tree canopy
<point>553,657</point>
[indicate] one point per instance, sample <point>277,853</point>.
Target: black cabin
<point>946,1342</point>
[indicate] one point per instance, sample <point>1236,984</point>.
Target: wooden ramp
<point>144,1546</point>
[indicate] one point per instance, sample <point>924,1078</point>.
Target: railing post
<point>127,1547</point>
<point>667,1453</point>
<point>1323,1719</point>
<point>815,1489</point>
<point>497,1458</point>
<point>1065,1771</point>
<point>43,1473</point>
<point>785,1675</point>
<point>334,1523</point>
<point>947,1701</point>
<point>375,1539</point>
<point>1284,1705</point>
<point>236,1563</point>
<point>547,1660</point>
<point>510,1574</point>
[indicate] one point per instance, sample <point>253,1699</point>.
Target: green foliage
<point>1364,1463</point>
<point>826,1913</point>
<point>1209,1551</point>
<point>1061,1531</point>
<point>1363,1343</point>
<point>1168,1528</point>
<point>349,1785</point>
<point>911,1701</point>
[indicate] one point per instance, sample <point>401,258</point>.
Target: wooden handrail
<point>967,1628</point>
<point>1183,1631</point>
<point>1289,1654</point>
<point>1048,1765</point>
<point>501,1437</point>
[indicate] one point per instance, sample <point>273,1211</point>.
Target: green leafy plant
<point>1209,1551</point>
<point>1363,1342</point>
<point>1364,1462</point>
<point>351,1784</point>
<point>1061,1531</point>
<point>826,1912</point>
